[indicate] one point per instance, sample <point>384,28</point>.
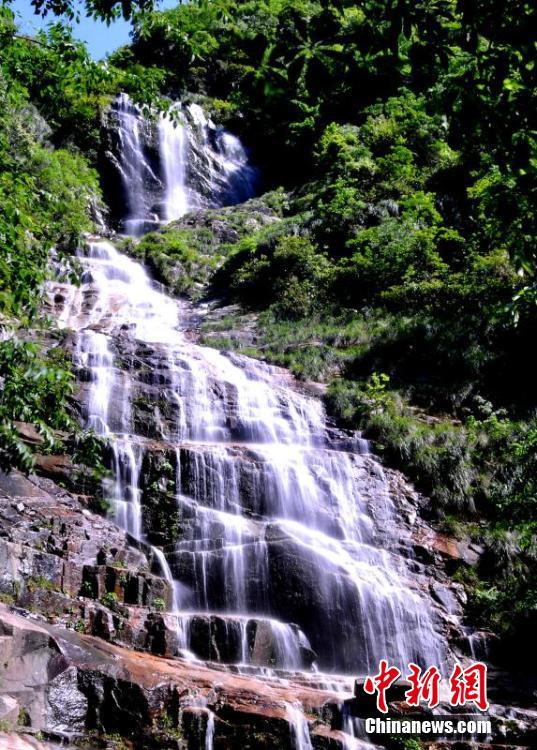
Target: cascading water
<point>286,539</point>
<point>135,168</point>
<point>209,731</point>
<point>180,162</point>
<point>268,505</point>
<point>299,728</point>
<point>173,155</point>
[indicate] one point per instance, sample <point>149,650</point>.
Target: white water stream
<point>278,524</point>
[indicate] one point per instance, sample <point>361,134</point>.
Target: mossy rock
<point>184,254</point>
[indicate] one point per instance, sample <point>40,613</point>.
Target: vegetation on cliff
<point>47,195</point>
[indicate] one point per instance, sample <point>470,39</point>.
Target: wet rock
<point>263,645</point>
<point>102,624</point>
<point>67,705</point>
<point>445,596</point>
<point>482,645</point>
<point>515,725</point>
<point>160,638</point>
<point>160,513</point>
<point>30,659</point>
<point>215,638</point>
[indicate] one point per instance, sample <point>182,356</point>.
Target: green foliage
<point>460,465</point>
<point>396,742</point>
<point>174,260</point>
<point>32,390</point>
<point>437,455</point>
<point>284,271</point>
<point>109,600</point>
<point>106,10</point>
<point>370,399</point>
<point>88,453</point>
<point>364,171</point>
<point>24,719</point>
<point>185,254</point>
<point>69,89</point>
<point>86,589</point>
<point>159,604</point>
<point>7,599</point>
<point>57,74</point>
<point>311,72</point>
<point>88,449</point>
<point>398,252</point>
<point>46,196</point>
<point>40,583</point>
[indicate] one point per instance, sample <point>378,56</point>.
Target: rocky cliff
<point>89,659</point>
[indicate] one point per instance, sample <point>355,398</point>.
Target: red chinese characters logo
<point>469,685</point>
<point>465,685</point>
<point>424,688</point>
<point>380,682</point>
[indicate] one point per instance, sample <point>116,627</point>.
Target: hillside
<point>267,307</point>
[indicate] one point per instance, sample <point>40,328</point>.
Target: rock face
<point>76,685</point>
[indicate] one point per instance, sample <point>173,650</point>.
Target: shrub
<point>41,583</point>
<point>398,251</point>
<point>86,589</point>
<point>109,600</point>
<point>436,455</point>
<point>286,273</point>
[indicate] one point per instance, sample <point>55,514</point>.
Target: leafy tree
<point>33,390</point>
<point>46,197</point>
<point>107,10</point>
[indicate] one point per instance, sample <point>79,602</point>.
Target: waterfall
<point>300,731</point>
<point>286,551</point>
<point>276,521</point>
<point>288,644</point>
<point>228,176</point>
<point>209,731</point>
<point>178,163</point>
<point>134,167</point>
<point>173,155</point>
